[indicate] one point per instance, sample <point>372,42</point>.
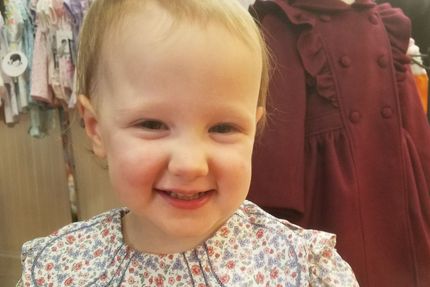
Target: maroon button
<point>387,112</point>
<point>325,18</point>
<point>383,61</point>
<point>373,19</point>
<point>345,61</point>
<point>355,117</point>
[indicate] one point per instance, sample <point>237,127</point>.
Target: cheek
<point>133,169</point>
<point>235,167</point>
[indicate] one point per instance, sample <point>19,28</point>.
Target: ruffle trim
<point>310,48</point>
<point>314,57</point>
<point>398,28</point>
<point>315,62</point>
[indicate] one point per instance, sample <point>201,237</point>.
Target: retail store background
<point>34,197</point>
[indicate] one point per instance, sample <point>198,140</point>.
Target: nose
<point>188,161</point>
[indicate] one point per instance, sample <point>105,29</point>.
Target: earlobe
<point>92,128</point>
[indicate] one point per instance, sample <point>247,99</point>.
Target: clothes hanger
<point>415,61</point>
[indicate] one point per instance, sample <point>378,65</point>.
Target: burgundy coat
<point>347,145</point>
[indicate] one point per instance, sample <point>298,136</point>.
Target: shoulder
<point>310,255</point>
<point>274,229</point>
<point>75,248</point>
<point>260,219</point>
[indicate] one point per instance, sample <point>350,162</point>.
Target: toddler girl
<point>172,93</point>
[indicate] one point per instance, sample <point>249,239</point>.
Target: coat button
<point>373,19</point>
<point>345,61</point>
<point>383,61</point>
<point>325,18</point>
<point>387,112</point>
<point>355,117</point>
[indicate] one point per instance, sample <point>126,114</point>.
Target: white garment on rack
<point>246,3</point>
<point>11,110</point>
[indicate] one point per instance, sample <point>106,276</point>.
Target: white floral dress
<point>252,248</point>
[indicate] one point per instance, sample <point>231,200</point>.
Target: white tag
<point>14,64</point>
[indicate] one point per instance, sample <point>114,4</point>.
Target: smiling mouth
<point>186,200</point>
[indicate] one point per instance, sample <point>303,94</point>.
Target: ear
<point>92,126</point>
<point>260,113</point>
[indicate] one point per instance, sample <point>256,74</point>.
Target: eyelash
<point>154,125</point>
<point>223,128</point>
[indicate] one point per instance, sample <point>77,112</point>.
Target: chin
<point>193,230</point>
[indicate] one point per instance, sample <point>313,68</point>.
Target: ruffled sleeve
<point>29,253</point>
<point>75,254</point>
<point>326,267</point>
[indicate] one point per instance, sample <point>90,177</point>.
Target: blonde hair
<point>104,15</point>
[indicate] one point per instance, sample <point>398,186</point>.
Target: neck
<point>148,242</point>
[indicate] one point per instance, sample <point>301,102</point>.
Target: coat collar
<point>293,9</point>
<point>330,5</point>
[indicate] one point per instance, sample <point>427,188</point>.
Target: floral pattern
<point>252,248</point>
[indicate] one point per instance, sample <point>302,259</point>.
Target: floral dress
<point>252,248</point>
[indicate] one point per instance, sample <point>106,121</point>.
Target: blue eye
<point>223,129</point>
<point>152,125</point>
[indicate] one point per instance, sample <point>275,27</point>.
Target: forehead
<point>157,22</point>
<point>152,39</point>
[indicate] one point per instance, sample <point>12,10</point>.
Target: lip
<point>185,204</point>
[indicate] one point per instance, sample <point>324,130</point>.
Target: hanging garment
<point>420,74</point>
<point>16,43</point>
<point>347,145</point>
<point>246,3</point>
<point>49,79</point>
<point>419,13</point>
<point>40,90</point>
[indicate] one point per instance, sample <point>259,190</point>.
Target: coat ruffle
<point>315,62</point>
<point>311,50</point>
<point>314,56</point>
<point>398,29</point>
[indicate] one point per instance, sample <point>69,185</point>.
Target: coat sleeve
<point>416,129</point>
<point>278,159</point>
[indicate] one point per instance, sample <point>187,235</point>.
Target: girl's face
<point>176,122</point>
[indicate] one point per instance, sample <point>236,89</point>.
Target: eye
<point>152,125</point>
<point>224,128</point>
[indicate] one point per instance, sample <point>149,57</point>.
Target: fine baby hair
<point>172,93</point>
<point>105,15</point>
